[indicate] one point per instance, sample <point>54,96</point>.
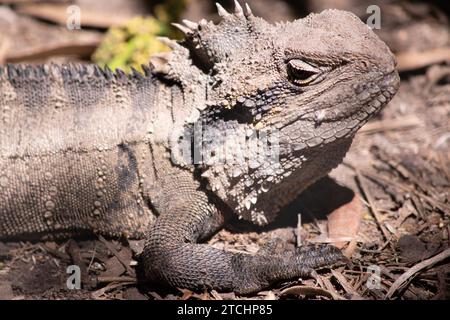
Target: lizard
<point>85,150</point>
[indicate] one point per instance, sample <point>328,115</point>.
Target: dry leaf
<point>306,291</point>
<point>344,222</point>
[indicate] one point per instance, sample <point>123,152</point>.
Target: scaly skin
<point>83,150</point>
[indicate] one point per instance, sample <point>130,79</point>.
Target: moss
<point>132,44</point>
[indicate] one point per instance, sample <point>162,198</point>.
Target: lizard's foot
<point>200,266</point>
<point>172,255</point>
<point>314,254</point>
<point>269,265</point>
<point>322,255</point>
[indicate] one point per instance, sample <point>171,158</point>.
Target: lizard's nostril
<point>392,79</point>
<point>391,83</point>
<point>391,64</point>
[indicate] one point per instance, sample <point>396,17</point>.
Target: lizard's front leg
<point>171,254</point>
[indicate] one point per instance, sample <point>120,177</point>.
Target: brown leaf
<point>344,222</point>
<point>113,268</point>
<point>412,248</point>
<point>306,291</point>
<point>133,294</point>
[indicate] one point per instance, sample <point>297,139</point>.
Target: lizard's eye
<point>302,73</point>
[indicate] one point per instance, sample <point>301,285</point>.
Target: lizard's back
<point>72,145</point>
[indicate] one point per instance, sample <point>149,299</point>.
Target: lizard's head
<point>309,84</point>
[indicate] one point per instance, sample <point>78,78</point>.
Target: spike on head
<point>136,74</point>
<point>108,73</point>
<point>211,43</point>
<point>221,11</point>
<point>172,44</point>
<point>248,10</point>
<point>186,30</point>
<point>147,69</point>
<point>238,9</point>
<point>191,25</point>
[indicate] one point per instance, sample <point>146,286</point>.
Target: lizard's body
<point>83,150</point>
<point>93,162</point>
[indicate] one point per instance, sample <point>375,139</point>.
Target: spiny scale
<point>238,9</point>
<point>190,27</point>
<point>70,72</point>
<point>190,24</point>
<point>184,29</point>
<point>221,11</point>
<point>168,42</point>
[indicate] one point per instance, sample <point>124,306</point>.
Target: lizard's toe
<point>321,256</point>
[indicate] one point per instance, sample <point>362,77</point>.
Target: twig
<point>379,250</point>
<point>80,49</point>
<point>4,46</point>
<point>405,278</point>
<point>73,250</point>
<point>408,61</point>
<point>438,204</point>
<point>116,279</point>
<point>31,1</point>
<point>390,124</point>
<point>93,256</point>
<point>373,208</point>
<point>444,165</point>
<point>344,283</point>
<point>116,254</point>
<point>329,287</point>
<point>55,252</point>
<point>57,13</point>
<point>113,285</point>
<point>299,230</point>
